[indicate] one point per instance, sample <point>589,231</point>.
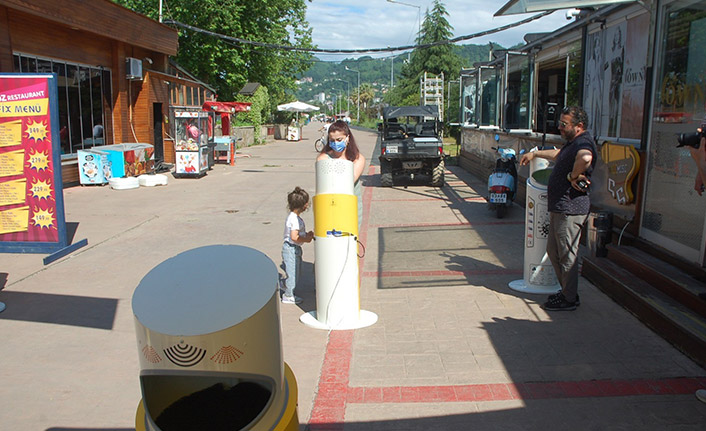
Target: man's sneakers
<point>558,302</point>
<point>291,299</point>
<point>577,302</point>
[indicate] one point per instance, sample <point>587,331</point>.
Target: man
<point>568,201</point>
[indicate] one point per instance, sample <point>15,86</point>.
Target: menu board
<point>31,194</point>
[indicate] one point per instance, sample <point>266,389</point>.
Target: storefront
<point>638,70</point>
<point>601,62</point>
<point>108,60</point>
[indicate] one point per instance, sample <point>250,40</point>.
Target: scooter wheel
<point>500,210</point>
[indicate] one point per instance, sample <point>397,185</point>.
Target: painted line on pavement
<point>525,391</point>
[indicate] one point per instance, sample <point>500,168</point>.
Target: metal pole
<point>358,98</point>
<point>392,72</point>
<point>160,10</point>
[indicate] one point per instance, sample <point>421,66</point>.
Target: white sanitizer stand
<point>336,247</point>
<point>539,275</point>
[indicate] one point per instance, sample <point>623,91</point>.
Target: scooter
<point>502,182</point>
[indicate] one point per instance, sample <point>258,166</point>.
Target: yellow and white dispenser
<point>209,343</point>
<point>336,246</point>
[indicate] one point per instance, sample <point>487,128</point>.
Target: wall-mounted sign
<point>31,193</point>
<point>623,163</point>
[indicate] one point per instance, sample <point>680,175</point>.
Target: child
<point>295,235</point>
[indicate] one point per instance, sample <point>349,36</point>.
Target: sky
<point>360,24</point>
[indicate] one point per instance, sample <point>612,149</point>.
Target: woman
<point>341,145</point>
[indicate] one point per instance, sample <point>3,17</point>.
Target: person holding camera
<point>699,156</point>
<point>568,202</point>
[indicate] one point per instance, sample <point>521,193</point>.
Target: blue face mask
<point>337,146</point>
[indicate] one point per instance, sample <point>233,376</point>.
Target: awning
<point>226,107</point>
<point>526,6</point>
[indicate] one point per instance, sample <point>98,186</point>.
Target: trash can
<point>538,273</point>
<point>600,232</point>
<point>209,344</point>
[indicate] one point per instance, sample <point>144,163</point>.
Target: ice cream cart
<point>191,147</point>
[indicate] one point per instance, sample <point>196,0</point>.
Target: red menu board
<point>31,194</point>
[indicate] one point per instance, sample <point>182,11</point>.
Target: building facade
<point>638,70</point>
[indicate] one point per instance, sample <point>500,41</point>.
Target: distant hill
<point>331,77</point>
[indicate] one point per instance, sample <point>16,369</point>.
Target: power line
<point>356,51</point>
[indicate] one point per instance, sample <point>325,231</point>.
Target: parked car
<point>410,144</point>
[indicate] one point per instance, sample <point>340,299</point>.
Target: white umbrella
<point>297,106</point>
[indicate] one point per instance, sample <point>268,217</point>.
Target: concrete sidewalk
<point>454,347</point>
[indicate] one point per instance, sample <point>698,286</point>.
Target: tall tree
<point>226,65</point>
<point>436,59</point>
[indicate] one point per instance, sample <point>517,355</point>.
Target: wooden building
<point>112,66</point>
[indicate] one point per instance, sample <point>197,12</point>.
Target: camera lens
<point>689,140</point>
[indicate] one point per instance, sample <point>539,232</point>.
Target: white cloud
<point>378,24</point>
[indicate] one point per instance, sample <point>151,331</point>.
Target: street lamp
<point>419,12</point>
<point>348,100</point>
<point>357,115</point>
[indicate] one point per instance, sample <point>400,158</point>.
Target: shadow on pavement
<point>70,310</point>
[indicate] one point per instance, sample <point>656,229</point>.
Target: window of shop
<point>469,86</point>
<point>517,111</point>
<point>84,99</point>
<point>489,96</point>
<point>558,76</point>
<point>673,213</point>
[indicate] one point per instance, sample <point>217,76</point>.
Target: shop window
<point>469,90</point>
<point>517,111</point>
<point>489,90</point>
<point>84,100</point>
<point>673,212</point>
<point>189,96</point>
<point>551,82</point>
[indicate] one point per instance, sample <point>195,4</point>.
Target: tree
<point>366,92</point>
<point>227,66</point>
<point>436,59</point>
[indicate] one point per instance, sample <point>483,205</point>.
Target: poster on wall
<point>634,77</point>
<point>593,83</point>
<point>31,193</point>
<point>615,76</point>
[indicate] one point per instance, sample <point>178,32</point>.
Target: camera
<point>691,139</point>
<point>583,185</point>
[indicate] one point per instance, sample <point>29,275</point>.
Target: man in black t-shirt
<point>569,202</point>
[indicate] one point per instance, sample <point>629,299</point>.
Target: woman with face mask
<point>341,144</point>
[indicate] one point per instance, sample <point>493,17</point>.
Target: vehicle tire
<point>385,174</point>
<point>319,145</point>
<point>437,176</point>
<point>500,210</point>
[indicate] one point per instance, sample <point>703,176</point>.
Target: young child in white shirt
<point>295,235</point>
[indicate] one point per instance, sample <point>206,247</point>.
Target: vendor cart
<point>192,142</point>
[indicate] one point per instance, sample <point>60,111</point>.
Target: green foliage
<point>259,111</point>
<point>228,66</point>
